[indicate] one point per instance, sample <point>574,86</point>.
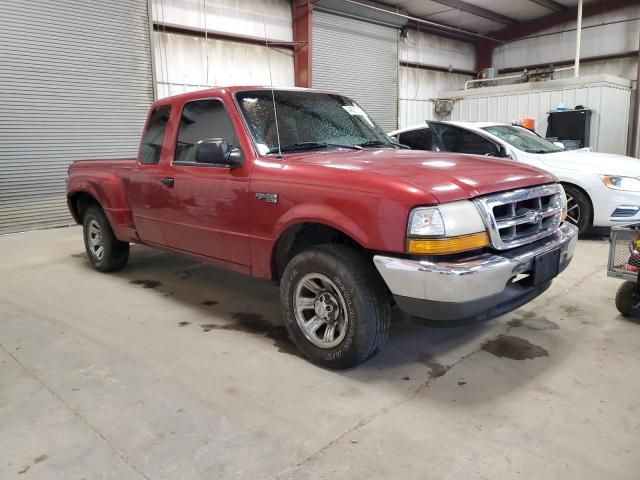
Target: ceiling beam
<point>428,24</point>
<point>551,5</point>
<point>451,34</point>
<point>532,27</point>
<point>478,11</point>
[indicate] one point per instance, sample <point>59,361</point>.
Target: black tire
<point>580,211</point>
<point>625,300</point>
<point>366,301</point>
<point>115,253</point>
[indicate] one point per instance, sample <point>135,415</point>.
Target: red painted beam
<point>212,34</point>
<point>302,14</point>
<point>636,112</point>
<point>484,54</point>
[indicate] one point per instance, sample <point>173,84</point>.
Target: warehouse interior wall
<point>186,62</point>
<point>611,33</point>
<point>76,84</point>
<point>245,17</point>
<point>418,86</point>
<point>190,62</point>
<point>430,65</point>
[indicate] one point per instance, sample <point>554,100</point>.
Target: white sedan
<point>602,189</point>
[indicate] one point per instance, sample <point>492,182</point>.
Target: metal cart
<point>624,263</point>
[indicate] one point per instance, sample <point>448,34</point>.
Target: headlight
<point>426,222</point>
<point>449,228</point>
<point>630,184</point>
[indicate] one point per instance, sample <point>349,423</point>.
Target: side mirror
<point>216,151</point>
<point>506,153</point>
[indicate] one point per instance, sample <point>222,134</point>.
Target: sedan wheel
<point>573,210</point>
<point>579,210</point>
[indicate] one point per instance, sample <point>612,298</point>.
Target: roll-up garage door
<point>358,59</point>
<point>75,83</point>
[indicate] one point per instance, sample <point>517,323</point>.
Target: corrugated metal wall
<point>606,100</point>
<point>75,83</point>
<point>358,59</point>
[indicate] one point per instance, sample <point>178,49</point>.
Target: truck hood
<point>598,163</point>
<point>447,176</point>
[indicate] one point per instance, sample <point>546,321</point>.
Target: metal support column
<point>302,17</point>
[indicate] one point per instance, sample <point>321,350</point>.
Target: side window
<point>201,120</point>
<point>460,140</point>
<point>154,135</point>
<point>421,139</point>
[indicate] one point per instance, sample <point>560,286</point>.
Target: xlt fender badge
<point>269,197</point>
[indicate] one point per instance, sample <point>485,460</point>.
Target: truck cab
<point>303,188</point>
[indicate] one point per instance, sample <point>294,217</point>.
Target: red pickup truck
<point>301,187</point>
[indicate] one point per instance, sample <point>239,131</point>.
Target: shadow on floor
<point>231,301</point>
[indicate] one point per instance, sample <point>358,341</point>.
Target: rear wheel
<point>579,210</point>
<point>335,305</point>
<point>106,253</point>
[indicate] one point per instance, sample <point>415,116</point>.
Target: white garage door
<point>358,59</point>
<point>75,83</point>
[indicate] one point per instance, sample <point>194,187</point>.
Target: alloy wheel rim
<point>320,310</point>
<point>94,237</point>
<point>573,210</point>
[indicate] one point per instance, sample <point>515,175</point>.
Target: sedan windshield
<point>308,120</point>
<point>522,139</point>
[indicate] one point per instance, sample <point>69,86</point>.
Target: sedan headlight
<point>617,182</point>
<point>448,228</point>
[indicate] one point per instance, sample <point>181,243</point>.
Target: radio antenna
<point>273,93</point>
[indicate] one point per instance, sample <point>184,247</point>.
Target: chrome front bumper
<point>480,282</point>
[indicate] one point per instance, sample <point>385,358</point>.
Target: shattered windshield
<point>308,120</point>
<point>523,139</point>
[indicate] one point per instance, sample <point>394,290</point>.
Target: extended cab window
<point>154,135</point>
<point>420,139</point>
<point>202,120</point>
<point>456,139</point>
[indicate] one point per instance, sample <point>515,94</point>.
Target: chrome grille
<point>522,216</point>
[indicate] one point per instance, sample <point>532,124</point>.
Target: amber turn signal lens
<point>443,246</point>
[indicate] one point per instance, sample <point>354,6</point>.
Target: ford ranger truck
<point>301,187</point>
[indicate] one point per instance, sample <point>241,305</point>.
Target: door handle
<point>167,181</point>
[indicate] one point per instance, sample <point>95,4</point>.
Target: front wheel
<point>579,210</point>
<point>335,305</point>
<point>627,301</point>
<point>106,253</point>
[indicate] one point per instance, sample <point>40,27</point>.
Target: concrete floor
<point>173,369</point>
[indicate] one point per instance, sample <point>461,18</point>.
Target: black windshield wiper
<point>381,143</point>
<point>311,146</point>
